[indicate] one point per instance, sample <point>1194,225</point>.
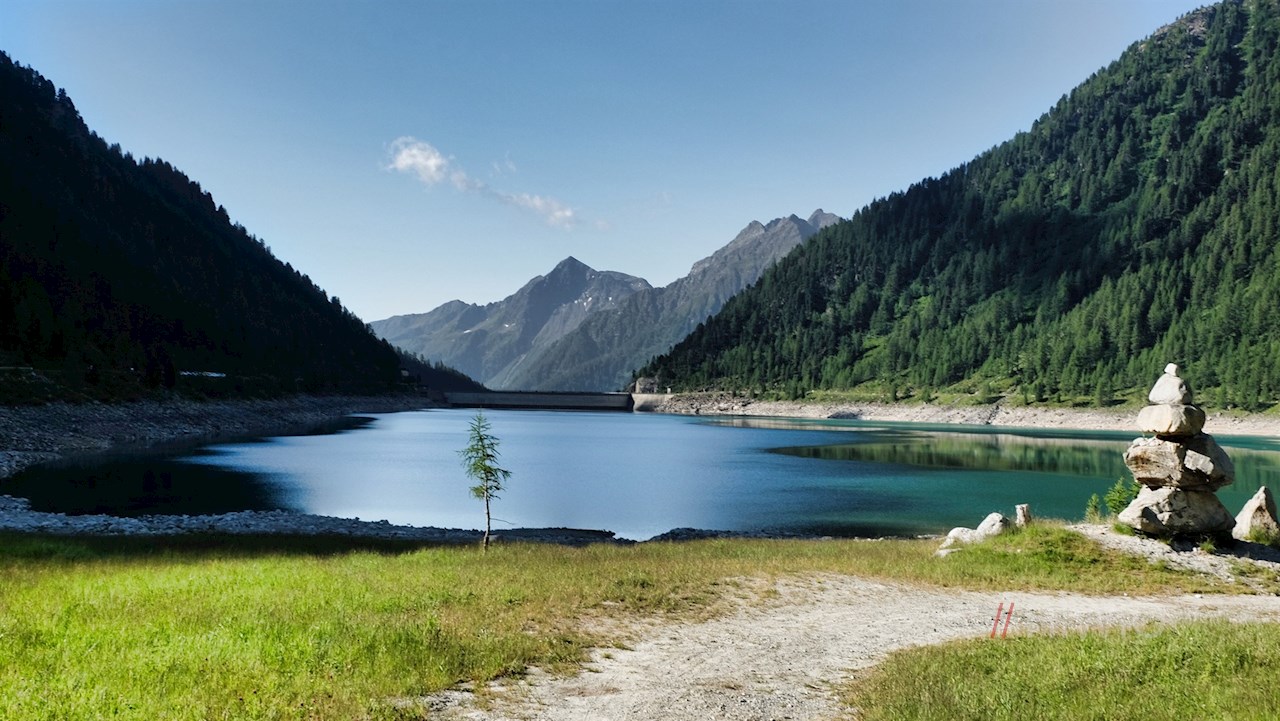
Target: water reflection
<point>987,450</point>
<point>143,486</point>
<point>1100,459</point>
<point>178,478</point>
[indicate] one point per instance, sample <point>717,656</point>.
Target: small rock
<point>1259,515</point>
<point>1022,515</point>
<point>1170,389</point>
<point>993,525</point>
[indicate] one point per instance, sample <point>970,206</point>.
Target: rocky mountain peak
<point>571,264</point>
<point>820,219</point>
<point>575,317</point>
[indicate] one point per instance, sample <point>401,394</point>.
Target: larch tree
<point>480,458</point>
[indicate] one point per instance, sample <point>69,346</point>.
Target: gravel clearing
<point>1224,563</point>
<point>782,657</point>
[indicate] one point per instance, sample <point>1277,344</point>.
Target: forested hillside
<point>1134,224</point>
<point>117,276</point>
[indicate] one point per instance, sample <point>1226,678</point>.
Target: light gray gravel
<point>1222,563</point>
<point>782,658</point>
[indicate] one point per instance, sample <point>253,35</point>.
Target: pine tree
<point>480,458</point>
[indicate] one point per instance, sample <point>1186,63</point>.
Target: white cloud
<point>463,182</point>
<point>551,210</point>
<point>502,168</point>
<point>410,155</point>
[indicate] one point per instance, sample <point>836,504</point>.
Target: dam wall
<point>649,401</point>
<point>542,401</point>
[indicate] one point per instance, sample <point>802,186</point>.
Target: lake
<point>635,474</point>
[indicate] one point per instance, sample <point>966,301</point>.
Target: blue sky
<point>404,154</point>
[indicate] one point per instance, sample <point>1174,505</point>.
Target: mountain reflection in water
<point>994,451</point>
<point>179,478</point>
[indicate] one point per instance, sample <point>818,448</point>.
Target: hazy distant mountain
<point>601,352</point>
<point>490,342</point>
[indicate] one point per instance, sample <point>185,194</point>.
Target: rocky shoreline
<point>30,435</point>
<point>16,516</point>
<point>995,414</point>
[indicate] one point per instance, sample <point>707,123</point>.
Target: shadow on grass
<point>1250,550</point>
<point>37,547</point>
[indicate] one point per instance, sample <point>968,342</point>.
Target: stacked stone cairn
<point>1180,468</point>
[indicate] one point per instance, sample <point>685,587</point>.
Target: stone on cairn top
<point>1172,414</point>
<point>1170,389</point>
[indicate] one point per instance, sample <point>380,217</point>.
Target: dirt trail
<point>781,658</point>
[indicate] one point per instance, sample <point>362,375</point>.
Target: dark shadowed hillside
<point>117,276</point>
<point>1134,224</point>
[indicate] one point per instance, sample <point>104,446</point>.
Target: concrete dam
<point>543,401</point>
<point>537,400</point>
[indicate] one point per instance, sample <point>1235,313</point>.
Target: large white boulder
<point>1196,463</point>
<point>1175,511</point>
<point>993,525</point>
<point>1173,420</point>
<point>1259,515</point>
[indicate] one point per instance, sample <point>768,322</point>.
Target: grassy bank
<point>1200,670</point>
<point>212,628</point>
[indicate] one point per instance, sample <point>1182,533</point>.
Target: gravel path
<point>782,658</point>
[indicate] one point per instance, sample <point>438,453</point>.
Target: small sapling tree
<point>480,458</point>
<point>1121,495</point>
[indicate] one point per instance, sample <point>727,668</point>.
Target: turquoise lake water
<point>635,474</point>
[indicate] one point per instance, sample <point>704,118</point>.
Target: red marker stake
<point>996,625</point>
<point>1007,619</point>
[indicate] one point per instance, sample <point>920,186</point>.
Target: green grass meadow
<point>304,628</point>
<point>1200,670</point>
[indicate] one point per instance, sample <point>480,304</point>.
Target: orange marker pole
<point>1007,619</point>
<point>996,625</point>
